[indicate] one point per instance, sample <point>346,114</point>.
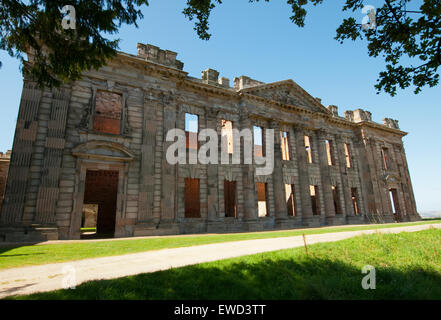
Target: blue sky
<point>258,40</point>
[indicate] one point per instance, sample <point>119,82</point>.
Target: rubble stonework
<point>60,139</point>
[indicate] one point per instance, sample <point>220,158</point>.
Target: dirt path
<point>26,280</point>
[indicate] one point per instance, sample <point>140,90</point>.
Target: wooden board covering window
<point>108,110</point>
<point>192,206</point>
<point>230,198</point>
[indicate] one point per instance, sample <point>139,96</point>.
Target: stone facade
<point>115,120</point>
<point>4,168</point>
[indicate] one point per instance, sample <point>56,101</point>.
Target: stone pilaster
<point>212,173</point>
<point>345,188</point>
<point>249,190</point>
<point>281,212</point>
<point>303,175</point>
<point>21,157</point>
<point>325,175</point>
<point>147,176</point>
<point>169,177</point>
<point>53,151</point>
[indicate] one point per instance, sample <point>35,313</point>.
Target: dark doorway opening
<point>100,194</point>
<point>192,203</point>
<point>230,198</point>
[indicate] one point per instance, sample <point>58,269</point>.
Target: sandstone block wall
<point>117,118</point>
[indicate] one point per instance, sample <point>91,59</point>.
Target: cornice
<point>182,80</point>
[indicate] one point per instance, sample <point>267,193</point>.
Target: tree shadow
<point>11,246</point>
<point>258,277</point>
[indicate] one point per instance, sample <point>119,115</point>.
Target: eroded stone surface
<point>145,96</point>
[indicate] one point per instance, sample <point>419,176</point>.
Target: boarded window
<point>386,158</point>
<point>289,197</point>
<point>191,130</point>
<point>348,156</point>
<point>355,201</point>
<point>192,207</point>
<point>262,199</point>
<point>107,117</point>
<point>330,152</point>
<point>230,198</point>
<point>336,198</point>
<point>258,141</point>
<point>313,190</point>
<point>284,145</point>
<point>227,135</point>
<point>308,149</point>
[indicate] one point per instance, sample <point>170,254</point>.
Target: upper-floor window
<point>258,141</point>
<point>348,156</point>
<point>330,152</point>
<point>108,112</point>
<point>308,149</point>
<point>191,130</point>
<point>386,158</point>
<point>284,145</point>
<point>227,135</point>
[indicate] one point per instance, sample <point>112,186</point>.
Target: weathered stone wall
<point>57,141</point>
<point>4,168</point>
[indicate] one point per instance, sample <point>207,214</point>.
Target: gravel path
<point>26,280</point>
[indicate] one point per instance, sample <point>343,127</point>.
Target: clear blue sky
<point>258,40</point>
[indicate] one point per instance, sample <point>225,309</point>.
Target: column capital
<point>274,125</point>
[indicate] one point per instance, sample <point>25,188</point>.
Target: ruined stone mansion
<point>101,141</point>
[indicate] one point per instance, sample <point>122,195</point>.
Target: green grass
<point>27,255</point>
<point>408,266</point>
<point>88,229</point>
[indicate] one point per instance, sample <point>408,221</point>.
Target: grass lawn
<point>408,266</point>
<point>27,255</point>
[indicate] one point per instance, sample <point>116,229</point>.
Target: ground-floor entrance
<point>99,204</point>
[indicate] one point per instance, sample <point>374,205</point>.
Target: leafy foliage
<point>408,40</point>
<point>59,55</point>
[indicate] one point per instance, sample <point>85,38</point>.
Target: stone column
<point>159,152</point>
<point>346,190</point>
<point>18,184</point>
<point>168,171</point>
<point>281,211</point>
<point>413,213</point>
<point>147,176</point>
<point>325,175</point>
<point>212,173</point>
<point>53,153</point>
<point>403,194</point>
<point>249,190</point>
<point>302,166</point>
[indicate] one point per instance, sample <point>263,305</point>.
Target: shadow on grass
<point>257,277</point>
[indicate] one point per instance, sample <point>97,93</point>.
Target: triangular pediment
<point>287,92</point>
<point>103,150</point>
